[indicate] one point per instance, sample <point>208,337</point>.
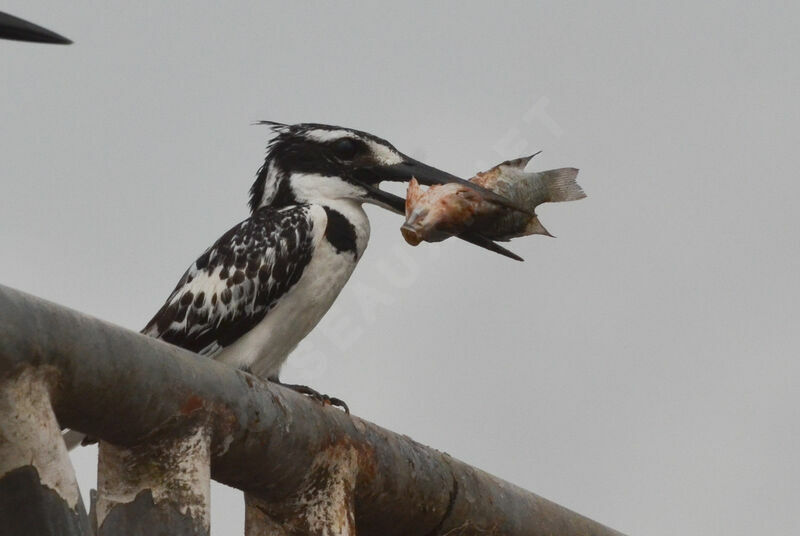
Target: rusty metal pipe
<point>158,487</point>
<point>283,449</point>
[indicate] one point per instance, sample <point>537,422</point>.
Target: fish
<point>452,209</point>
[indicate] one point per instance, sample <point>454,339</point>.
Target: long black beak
<point>21,30</point>
<point>428,175</point>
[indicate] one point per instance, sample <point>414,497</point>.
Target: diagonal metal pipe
<point>307,468</point>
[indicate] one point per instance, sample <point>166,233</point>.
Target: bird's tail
<point>73,438</point>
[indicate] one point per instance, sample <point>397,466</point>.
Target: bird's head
<point>313,163</point>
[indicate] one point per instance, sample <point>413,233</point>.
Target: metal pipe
<point>157,487</point>
<point>38,490</point>
<point>285,450</point>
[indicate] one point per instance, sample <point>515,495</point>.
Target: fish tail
<point>561,185</point>
<point>535,226</point>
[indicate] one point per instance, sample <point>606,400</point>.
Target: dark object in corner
<point>21,30</point>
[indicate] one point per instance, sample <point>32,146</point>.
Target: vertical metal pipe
<point>159,487</point>
<point>38,490</point>
<point>256,520</point>
<point>323,505</point>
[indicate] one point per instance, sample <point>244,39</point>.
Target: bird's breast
<point>339,248</point>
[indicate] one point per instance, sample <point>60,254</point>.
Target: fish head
<point>439,212</point>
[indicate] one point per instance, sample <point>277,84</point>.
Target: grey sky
<point>641,368</point>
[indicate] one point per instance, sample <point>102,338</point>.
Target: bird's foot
<point>325,400</point>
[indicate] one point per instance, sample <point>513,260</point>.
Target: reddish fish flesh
<point>451,209</point>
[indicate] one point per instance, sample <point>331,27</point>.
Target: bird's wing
<point>235,283</point>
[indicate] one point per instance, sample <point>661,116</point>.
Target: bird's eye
<point>345,148</point>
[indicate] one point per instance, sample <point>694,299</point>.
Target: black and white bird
<point>252,296</point>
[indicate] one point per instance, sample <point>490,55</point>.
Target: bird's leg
<point>314,394</point>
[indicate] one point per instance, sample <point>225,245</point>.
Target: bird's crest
<point>274,125</point>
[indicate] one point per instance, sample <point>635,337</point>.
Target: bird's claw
<point>323,399</point>
<point>332,401</point>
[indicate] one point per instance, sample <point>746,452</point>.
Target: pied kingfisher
<point>251,297</point>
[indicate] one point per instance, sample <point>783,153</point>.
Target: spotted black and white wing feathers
<point>234,283</point>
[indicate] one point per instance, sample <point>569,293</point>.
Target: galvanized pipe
<point>282,448</point>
